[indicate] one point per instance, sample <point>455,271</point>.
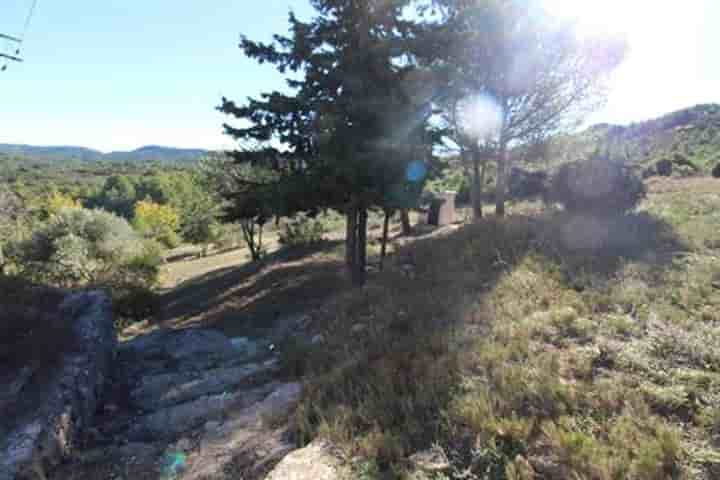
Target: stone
<point>168,389</point>
<point>12,386</point>
<point>183,445</point>
<point>358,328</point>
<point>46,435</point>
<point>212,426</point>
<point>314,462</point>
<point>245,346</point>
<point>171,422</point>
<point>442,210</point>
<point>246,440</point>
<point>184,350</point>
<point>431,460</point>
<point>317,339</point>
<point>447,209</point>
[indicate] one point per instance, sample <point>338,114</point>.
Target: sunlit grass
<point>521,359</point>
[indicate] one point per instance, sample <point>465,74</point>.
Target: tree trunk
<point>350,237</point>
<point>248,230</point>
<point>405,221</point>
<point>383,247</point>
<point>501,184</point>
<point>260,239</point>
<point>362,247</point>
<point>476,187</point>
<point>355,244</point>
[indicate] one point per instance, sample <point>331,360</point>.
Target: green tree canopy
<point>356,118</point>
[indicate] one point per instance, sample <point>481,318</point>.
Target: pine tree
<point>354,122</point>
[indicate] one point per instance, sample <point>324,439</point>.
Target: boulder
<point>314,462</point>
<point>66,397</point>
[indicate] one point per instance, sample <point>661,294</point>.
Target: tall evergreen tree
<point>347,134</point>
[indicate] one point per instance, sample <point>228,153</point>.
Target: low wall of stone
<point>64,402</point>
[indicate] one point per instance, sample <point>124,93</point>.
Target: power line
<point>28,19</point>
<point>17,40</point>
<point>10,37</point>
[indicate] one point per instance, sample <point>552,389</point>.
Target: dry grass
<point>527,350</point>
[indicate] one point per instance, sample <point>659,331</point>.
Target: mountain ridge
<point>689,137</point>
<point>84,154</point>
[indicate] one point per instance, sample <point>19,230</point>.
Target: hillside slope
<point>532,347</point>
<point>691,135</point>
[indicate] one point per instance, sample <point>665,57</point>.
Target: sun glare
<point>598,16</point>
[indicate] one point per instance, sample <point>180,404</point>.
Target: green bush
<point>598,186</point>
<point>301,230</point>
<point>79,247</point>
<point>716,171</point>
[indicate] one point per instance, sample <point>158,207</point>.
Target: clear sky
<point>119,74</point>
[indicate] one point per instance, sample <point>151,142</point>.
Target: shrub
<point>77,247</point>
<point>524,184</point>
<point>160,222</point>
<point>599,186</point>
<point>716,171</point>
<point>301,230</point>
<point>56,202</point>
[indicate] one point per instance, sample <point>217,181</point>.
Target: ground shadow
<point>250,298</point>
<point>391,353</point>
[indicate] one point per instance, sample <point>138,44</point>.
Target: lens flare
<point>416,171</point>
<point>480,116</point>
<point>173,465</point>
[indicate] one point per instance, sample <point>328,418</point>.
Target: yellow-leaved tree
<point>56,202</point>
<point>160,222</point>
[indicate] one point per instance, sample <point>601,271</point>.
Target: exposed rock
<point>171,422</point>
<point>164,390</point>
<point>212,426</point>
<point>178,350</point>
<point>13,385</point>
<point>183,444</point>
<point>245,446</point>
<point>69,395</point>
<point>314,462</point>
<point>358,328</point>
<point>201,406</point>
<point>430,461</point>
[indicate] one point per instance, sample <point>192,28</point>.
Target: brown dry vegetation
<point>532,347</point>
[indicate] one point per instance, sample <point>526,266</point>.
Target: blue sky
<point>117,74</point>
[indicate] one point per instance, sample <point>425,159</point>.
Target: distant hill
<point>154,152</point>
<point>51,153</point>
<point>689,138</point>
<point>88,155</point>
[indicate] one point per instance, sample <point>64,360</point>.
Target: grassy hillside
<point>692,134</point>
<point>541,346</point>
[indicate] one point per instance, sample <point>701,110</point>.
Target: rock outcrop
<point>314,462</point>
<point>60,402</point>
<point>190,404</point>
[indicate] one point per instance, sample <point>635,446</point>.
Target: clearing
<point>537,346</point>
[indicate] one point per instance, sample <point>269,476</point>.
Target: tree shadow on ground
<point>392,351</point>
<point>390,362</point>
<point>250,298</point>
